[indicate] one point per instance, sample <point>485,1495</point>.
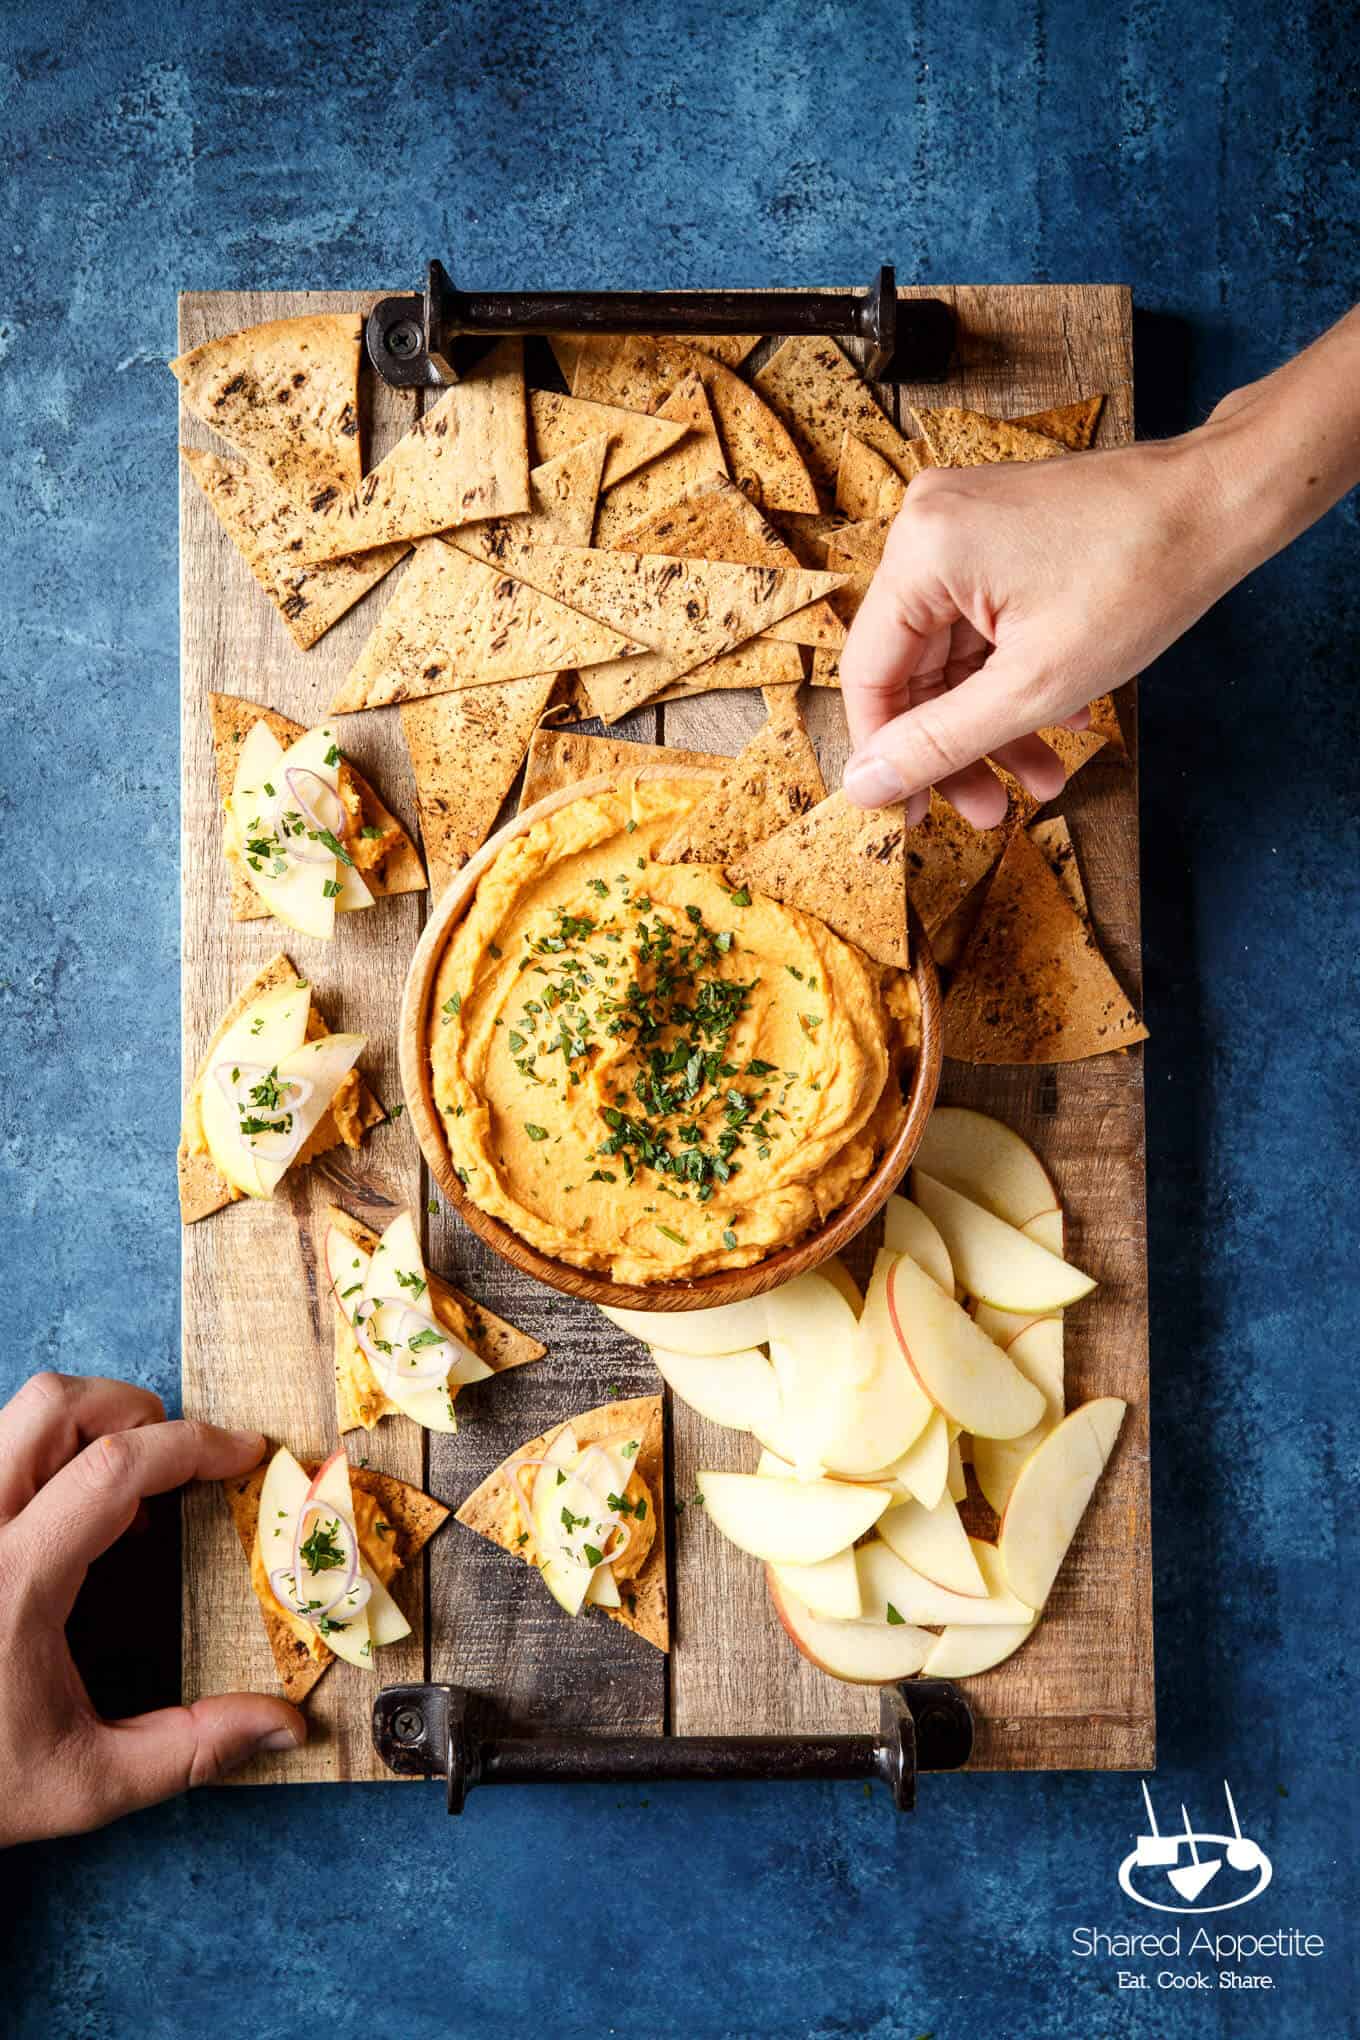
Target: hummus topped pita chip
<point>465,751</point>
<point>1032,986</point>
<point>820,395</point>
<point>268,529</point>
<point>632,1433</point>
<point>697,459</point>
<point>1073,425</point>
<point>845,865</point>
<point>465,460</point>
<point>558,423</point>
<point>286,395</point>
<point>962,438</point>
<point>560,758</point>
<point>771,782</point>
<point>456,622</point>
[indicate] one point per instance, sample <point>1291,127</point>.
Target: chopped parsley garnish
<point>323,1552</point>
<point>729,1238</point>
<point>593,1554</point>
<point>535,1132</point>
<point>895,1620</point>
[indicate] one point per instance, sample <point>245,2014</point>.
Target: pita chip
<point>867,485</point>
<point>562,493</point>
<point>946,858</point>
<point>558,423</point>
<point>855,551</point>
<point>456,622</point>
<point>286,395</point>
<point>731,349</point>
<point>269,530</point>
<point>820,395</point>
<point>845,865</point>
<point>770,783</point>
<point>496,1510</point>
<point>201,1189</point>
<point>465,751</point>
<point>1054,838</point>
<point>1072,425</point>
<point>1075,747</point>
<point>393,864</point>
<point>1105,722</point>
<point>809,537</point>
<point>559,758</point>
<point>467,459</point>
<point>361,1401</point>
<point>697,459</point>
<point>617,687</point>
<point>411,1516</point>
<point>713,520</point>
<point>640,372</point>
<point>961,438</point>
<point>1032,986</point>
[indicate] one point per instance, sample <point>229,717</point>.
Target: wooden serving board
<point>257,1320</point>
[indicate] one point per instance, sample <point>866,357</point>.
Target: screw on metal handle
<point>433,1731</point>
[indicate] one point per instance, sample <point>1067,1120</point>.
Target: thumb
<point>940,737</point>
<point>153,1756</point>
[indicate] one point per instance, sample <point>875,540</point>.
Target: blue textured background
<point>1204,153</point>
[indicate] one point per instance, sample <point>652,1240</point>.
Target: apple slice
<point>965,1375</point>
<point>1038,1352</point>
<point>1050,1496</point>
<point>603,1591</point>
<point>994,1261</point>
<point>1048,1229</point>
<point>813,1351</point>
<point>885,1582</point>
<point>397,1270</point>
<point>789,1522</point>
<point>728,1328</point>
<point>737,1390</point>
<point>386,1623</point>
<point>865,1654</point>
<point>830,1589</point>
<point>281,1496</point>
<point>989,1162</point>
<point>961,1653</point>
<point>956,1480</point>
<point>301,893</point>
<point>318,752</point>
<point>344,1629</point>
<point>838,1275</point>
<point>907,1230</point>
<point>347,1267</point>
<point>321,1066</point>
<point>887,1410</point>
<point>922,1473</point>
<point>934,1543</point>
<point>264,1035</point>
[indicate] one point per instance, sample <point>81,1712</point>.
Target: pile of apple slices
<point>867,1412</point>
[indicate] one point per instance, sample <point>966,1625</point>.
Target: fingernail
<point>279,1739</point>
<point>244,1438</point>
<point>871,781</point>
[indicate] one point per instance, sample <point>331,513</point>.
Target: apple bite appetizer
<point>867,1412</point>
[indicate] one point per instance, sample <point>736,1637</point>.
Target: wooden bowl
<point>727,1285</point>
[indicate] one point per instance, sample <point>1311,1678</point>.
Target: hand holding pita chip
<point>77,1457</point>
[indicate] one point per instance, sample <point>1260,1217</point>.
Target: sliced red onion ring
<point>321,808</point>
<point>428,1366</point>
<point>237,1080</point>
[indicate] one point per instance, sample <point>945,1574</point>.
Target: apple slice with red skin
<point>964,1373</point>
<point>861,1653</point>
<point>1051,1493</point>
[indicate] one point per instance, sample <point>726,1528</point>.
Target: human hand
<point>76,1458</point>
<point>1008,597</point>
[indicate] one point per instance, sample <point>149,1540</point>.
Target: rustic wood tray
<point>257,1327</point>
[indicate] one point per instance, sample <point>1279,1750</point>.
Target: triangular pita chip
<point>496,1509</point>
<point>268,529</point>
<point>1054,838</point>
<point>562,494</point>
<point>855,551</point>
<point>559,423</point>
<point>572,349</point>
<point>559,758</point>
<point>1032,986</point>
<point>619,686</point>
<point>465,751</point>
<point>713,520</point>
<point>845,865</point>
<point>809,537</point>
<point>1075,747</point>
<point>389,861</point>
<point>770,783</point>
<point>961,438</point>
<point>820,395</point>
<point>867,485</point>
<point>1105,722</point>
<point>1074,425</point>
<point>640,372</point>
<point>201,1189</point>
<point>286,395</point>
<point>413,1516</point>
<point>456,622</point>
<point>697,458</point>
<point>466,459</point>
<point>946,858</point>
<point>360,1399</point>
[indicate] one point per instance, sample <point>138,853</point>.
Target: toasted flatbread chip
<point>286,395</point>
<point>496,1509</point>
<point>845,865</point>
<point>559,758</point>
<point>352,1112</point>
<point>640,372</point>
<point>1075,747</point>
<point>1032,986</point>
<point>947,857</point>
<point>772,781</point>
<point>1054,838</point>
<point>456,622</point>
<point>465,751</point>
<point>855,551</point>
<point>1073,425</point>
<point>268,529</point>
<point>562,495</point>
<point>391,862</point>
<point>572,349</point>
<point>617,687</point>
<point>698,458</point>
<point>412,1515</point>
<point>820,395</point>
<point>558,423</point>
<point>359,1396</point>
<point>1105,722</point>
<point>960,438</point>
<point>809,537</point>
<point>867,485</point>
<point>466,459</point>
<point>713,520</point>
